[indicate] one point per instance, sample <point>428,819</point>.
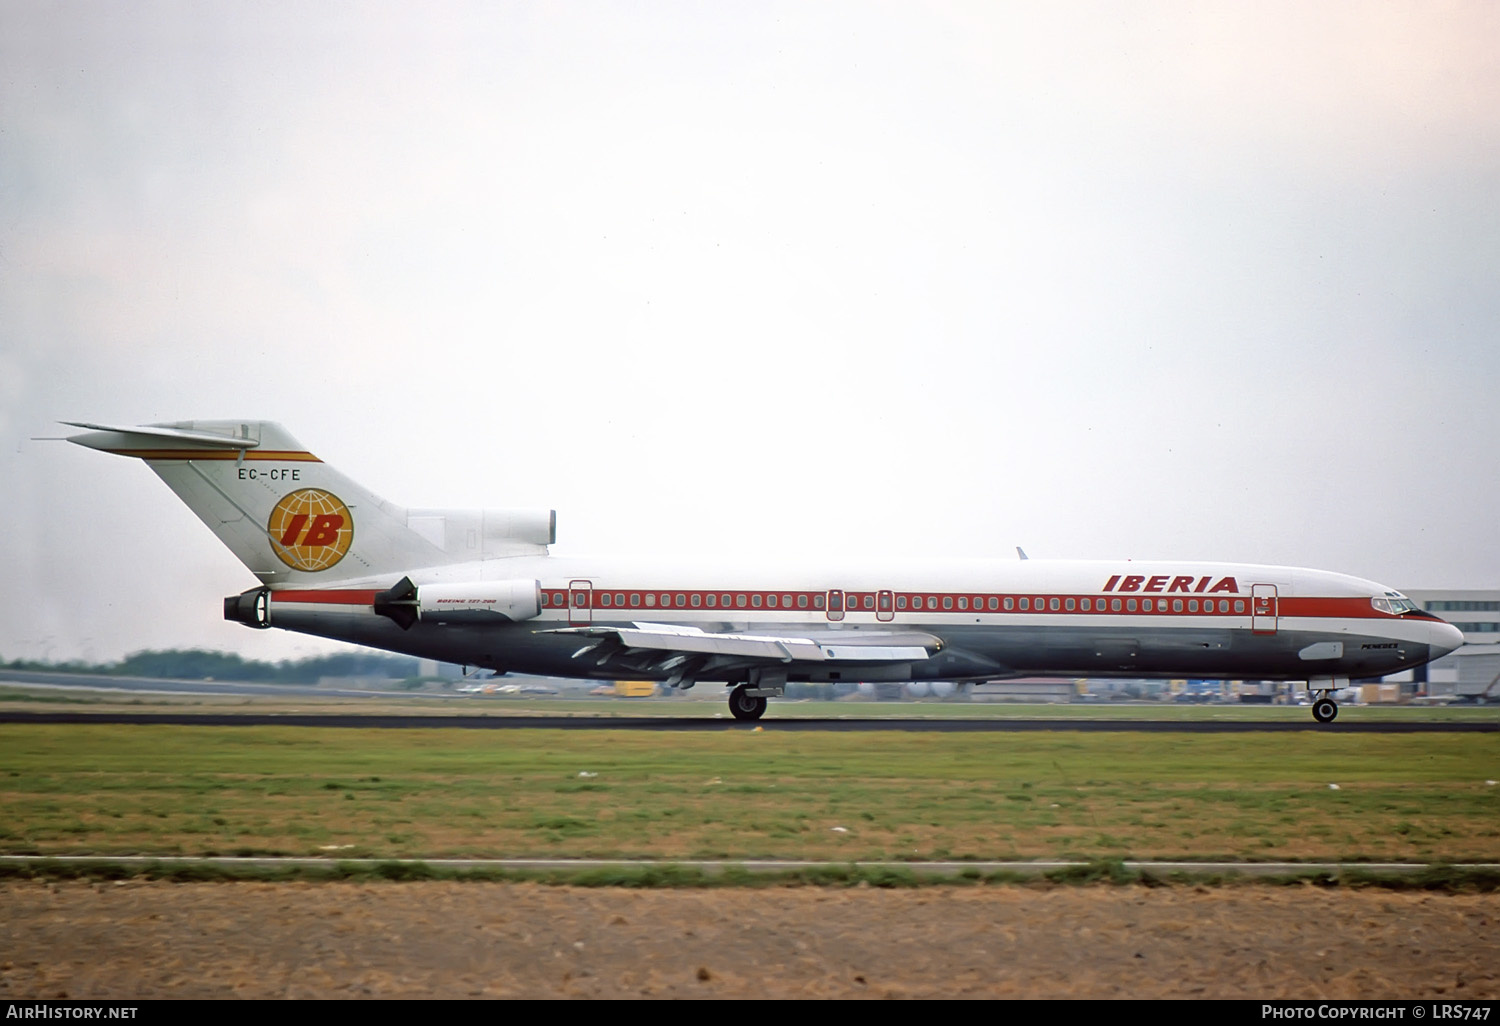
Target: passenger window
<point>1010,603</point>
<point>650,598</point>
<point>1177,605</point>
<point>1068,605</point>
<point>1114,605</point>
<point>771,601</point>
<point>801,601</point>
<point>994,603</point>
<point>1130,605</point>
<point>1053,604</point>
<point>697,600</point>
<point>963,602</point>
<point>900,601</point>
<point>1025,604</point>
<point>755,600</point>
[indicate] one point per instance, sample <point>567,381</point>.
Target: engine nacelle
<point>251,608</point>
<point>477,602</point>
<point>534,526</point>
<point>485,533</point>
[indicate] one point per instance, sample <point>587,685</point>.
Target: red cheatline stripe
<point>1340,608</point>
<point>329,598</point>
<point>556,598</point>
<point>280,456</point>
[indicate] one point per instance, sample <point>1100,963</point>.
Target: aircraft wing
<point>814,646</point>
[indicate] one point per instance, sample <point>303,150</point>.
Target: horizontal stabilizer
<point>112,439</point>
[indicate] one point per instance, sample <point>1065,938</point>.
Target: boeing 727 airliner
<point>479,587</point>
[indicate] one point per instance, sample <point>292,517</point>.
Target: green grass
<point>735,794</point>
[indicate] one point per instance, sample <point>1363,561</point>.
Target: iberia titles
<point>1162,583</point>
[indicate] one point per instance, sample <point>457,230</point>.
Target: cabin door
<point>835,604</point>
<point>580,603</point>
<point>1263,609</point>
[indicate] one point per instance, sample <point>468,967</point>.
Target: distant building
<point>1026,689</point>
<point>1470,670</point>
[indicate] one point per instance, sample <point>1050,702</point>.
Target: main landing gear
<point>744,705</point>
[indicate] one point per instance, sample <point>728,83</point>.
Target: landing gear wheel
<point>746,707</point>
<point>1324,710</point>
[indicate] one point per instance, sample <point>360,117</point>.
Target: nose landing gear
<point>1324,710</point>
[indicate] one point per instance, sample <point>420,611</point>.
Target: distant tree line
<point>197,664</point>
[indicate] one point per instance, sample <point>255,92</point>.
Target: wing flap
<point>841,646</point>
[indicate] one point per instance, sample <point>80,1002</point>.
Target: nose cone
<point>1443,638</point>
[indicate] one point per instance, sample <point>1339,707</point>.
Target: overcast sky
<point>1197,280</point>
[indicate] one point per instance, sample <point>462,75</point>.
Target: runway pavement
<point>777,719</point>
<point>769,724</point>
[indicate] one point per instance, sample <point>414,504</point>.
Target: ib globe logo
<point>310,529</point>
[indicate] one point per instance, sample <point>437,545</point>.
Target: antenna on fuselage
<point>1021,552</point>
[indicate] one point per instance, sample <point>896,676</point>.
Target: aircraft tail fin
<point>294,520</point>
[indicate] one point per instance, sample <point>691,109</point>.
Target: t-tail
<point>295,521</point>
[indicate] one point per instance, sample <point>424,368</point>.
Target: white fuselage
<point>992,618</point>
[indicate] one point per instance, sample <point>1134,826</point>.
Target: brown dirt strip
<point>145,940</point>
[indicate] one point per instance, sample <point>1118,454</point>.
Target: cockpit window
<point>1394,603</point>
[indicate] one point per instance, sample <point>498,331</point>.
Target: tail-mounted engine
<point>251,608</point>
<point>478,603</point>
